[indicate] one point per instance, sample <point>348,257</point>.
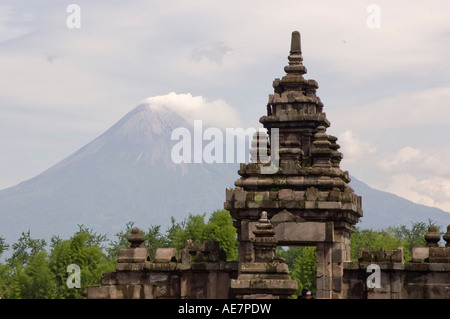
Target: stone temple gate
<point>294,176</point>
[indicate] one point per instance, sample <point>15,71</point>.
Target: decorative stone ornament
<point>446,237</point>
<point>432,237</point>
<point>136,238</point>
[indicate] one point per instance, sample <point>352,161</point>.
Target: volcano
<point>126,174</point>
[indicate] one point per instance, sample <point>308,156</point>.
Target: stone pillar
<point>324,270</point>
<point>340,254</point>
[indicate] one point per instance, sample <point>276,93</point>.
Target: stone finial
<point>264,227</point>
<point>295,56</point>
<point>296,43</point>
<point>260,151</point>
<point>446,237</point>
<point>136,238</point>
<point>264,242</point>
<point>432,237</point>
<point>321,150</point>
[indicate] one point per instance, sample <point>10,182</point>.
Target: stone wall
<point>426,276</point>
<point>199,271</point>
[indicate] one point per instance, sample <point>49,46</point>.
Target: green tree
<point>25,248</point>
<point>154,238</point>
<point>415,236</point>
<point>220,228</point>
<point>6,281</point>
<point>121,241</point>
<point>194,229</point>
<point>390,238</point>
<point>302,266</point>
<point>36,280</point>
<point>82,249</point>
<point>3,245</point>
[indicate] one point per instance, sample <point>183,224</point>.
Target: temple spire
<point>295,56</point>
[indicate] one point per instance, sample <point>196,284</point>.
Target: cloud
<point>433,191</point>
<point>400,111</point>
<point>216,113</point>
<point>424,163</point>
<point>213,52</point>
<point>420,175</point>
<point>13,23</point>
<point>353,148</point>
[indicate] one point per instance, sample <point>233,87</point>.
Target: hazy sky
<point>383,70</point>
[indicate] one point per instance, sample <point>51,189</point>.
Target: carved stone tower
<point>294,176</point>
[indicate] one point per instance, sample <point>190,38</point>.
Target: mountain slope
<point>383,209</point>
<point>124,174</point>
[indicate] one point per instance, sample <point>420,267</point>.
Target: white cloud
<point>423,163</point>
<point>354,148</point>
<point>404,156</point>
<point>433,191</point>
<point>401,111</point>
<point>213,52</point>
<point>216,113</point>
<point>420,175</point>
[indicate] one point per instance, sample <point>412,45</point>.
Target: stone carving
<point>446,237</point>
<point>432,237</point>
<point>265,276</point>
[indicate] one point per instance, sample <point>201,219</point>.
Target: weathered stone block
<point>297,204</point>
<point>134,255</point>
<point>147,292</point>
<point>229,194</point>
<point>130,266</point>
<point>254,204</point>
<point>312,194</point>
<point>300,232</point>
<point>299,195</point>
<point>334,195</point>
<point>99,292</point>
<point>310,205</point>
<point>238,205</point>
<point>165,255</point>
<point>260,196</point>
<point>329,205</point>
<point>286,194</point>
<point>158,278</point>
<point>109,278</point>
<point>269,204</point>
<point>161,291</point>
<point>439,254</point>
<point>420,253</point>
<point>129,277</point>
<point>240,195</point>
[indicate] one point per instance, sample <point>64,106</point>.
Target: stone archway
<point>332,247</point>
